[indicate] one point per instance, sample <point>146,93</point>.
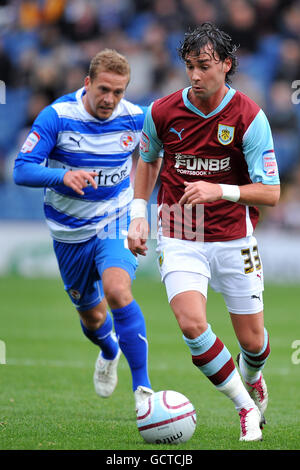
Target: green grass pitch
<point>47,399</point>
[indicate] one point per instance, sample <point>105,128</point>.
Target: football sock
<point>131,332</point>
<point>236,391</point>
<point>251,364</point>
<point>103,337</point>
<point>212,357</point>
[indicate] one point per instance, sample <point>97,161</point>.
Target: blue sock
<point>131,332</point>
<point>103,338</point>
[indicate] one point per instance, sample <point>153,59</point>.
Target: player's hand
<point>137,236</point>
<point>200,192</point>
<point>80,179</point>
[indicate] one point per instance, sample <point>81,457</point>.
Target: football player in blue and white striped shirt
<point>79,149</point>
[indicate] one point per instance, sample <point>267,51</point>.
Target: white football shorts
<point>232,268</point>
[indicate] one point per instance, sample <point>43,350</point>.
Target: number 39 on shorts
<point>251,259</point>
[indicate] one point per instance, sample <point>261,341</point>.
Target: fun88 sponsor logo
<point>198,166</point>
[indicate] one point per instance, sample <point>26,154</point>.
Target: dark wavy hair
<point>221,42</point>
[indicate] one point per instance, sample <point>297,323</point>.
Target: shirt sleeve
<point>145,110</point>
<point>259,152</point>
<point>150,145</point>
<point>30,167</point>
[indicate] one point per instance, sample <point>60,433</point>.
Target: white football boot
<point>259,393</point>
<point>250,425</point>
<point>105,375</point>
<point>141,394</point>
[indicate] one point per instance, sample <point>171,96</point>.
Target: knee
<point>190,325</point>
<point>190,312</point>
<point>192,331</point>
<point>118,295</point>
<point>192,328</point>
<point>93,318</point>
<point>253,343</point>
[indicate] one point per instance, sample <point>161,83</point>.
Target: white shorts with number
<point>232,267</point>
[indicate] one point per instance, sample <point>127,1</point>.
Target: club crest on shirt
<point>127,141</point>
<point>225,134</point>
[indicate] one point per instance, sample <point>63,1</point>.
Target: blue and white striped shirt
<point>66,137</point>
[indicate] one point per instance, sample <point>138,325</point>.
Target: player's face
<point>104,93</point>
<point>206,73</point>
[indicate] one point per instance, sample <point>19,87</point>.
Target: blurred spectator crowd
<point>46,47</point>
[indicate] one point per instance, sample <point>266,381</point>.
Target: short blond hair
<point>109,60</point>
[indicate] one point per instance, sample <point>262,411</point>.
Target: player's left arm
<point>257,194</point>
<point>259,153</point>
<point>249,194</point>
<point>258,148</point>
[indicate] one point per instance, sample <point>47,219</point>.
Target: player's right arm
<point>147,171</point>
<point>79,179</point>
<point>29,168</point>
<point>145,179</point>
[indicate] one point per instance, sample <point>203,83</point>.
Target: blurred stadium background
<point>45,49</point>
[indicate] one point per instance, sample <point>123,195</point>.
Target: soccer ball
<point>166,417</point>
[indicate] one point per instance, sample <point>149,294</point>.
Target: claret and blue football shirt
<point>231,145</point>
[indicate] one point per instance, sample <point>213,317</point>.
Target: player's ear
<point>227,64</point>
<point>87,82</point>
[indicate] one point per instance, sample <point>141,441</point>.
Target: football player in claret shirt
<point>218,163</point>
<point>86,139</point>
